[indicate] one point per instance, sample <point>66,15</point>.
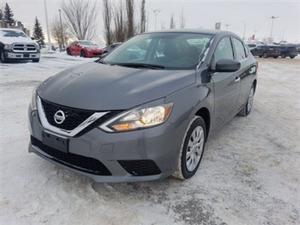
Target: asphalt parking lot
<point>250,173</point>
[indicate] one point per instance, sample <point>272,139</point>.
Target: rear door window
<point>239,49</point>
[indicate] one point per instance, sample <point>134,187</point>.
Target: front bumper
<point>22,55</point>
<point>143,155</point>
<point>93,53</point>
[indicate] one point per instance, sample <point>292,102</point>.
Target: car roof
<point>198,31</point>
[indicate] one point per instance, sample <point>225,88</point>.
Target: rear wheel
<point>292,57</point>
<point>249,104</point>
<point>82,54</point>
<point>275,57</point>
<point>192,149</point>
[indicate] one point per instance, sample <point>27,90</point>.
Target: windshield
<point>162,50</point>
<point>12,33</point>
<point>87,43</point>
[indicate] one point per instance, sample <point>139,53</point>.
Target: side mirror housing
<point>227,65</point>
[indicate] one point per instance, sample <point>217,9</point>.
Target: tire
<point>260,56</point>
<point>68,51</point>
<point>249,104</point>
<point>36,60</point>
<point>3,59</point>
<point>82,54</point>
<point>191,152</point>
<point>275,57</point>
<point>292,57</point>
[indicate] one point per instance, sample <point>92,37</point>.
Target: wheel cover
<point>250,100</point>
<point>194,148</point>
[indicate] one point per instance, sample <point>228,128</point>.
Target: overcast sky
<point>251,14</point>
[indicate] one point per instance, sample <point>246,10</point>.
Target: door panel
<point>246,70</point>
<point>226,84</point>
<point>227,89</point>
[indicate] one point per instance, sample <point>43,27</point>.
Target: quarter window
<point>223,50</point>
<point>239,49</point>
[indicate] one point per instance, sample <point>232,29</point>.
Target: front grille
<point>74,117</point>
<point>24,48</point>
<point>75,161</point>
<point>140,167</point>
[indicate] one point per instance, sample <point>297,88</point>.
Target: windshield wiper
<point>140,65</point>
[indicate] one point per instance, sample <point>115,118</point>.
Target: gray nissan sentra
<point>145,111</point>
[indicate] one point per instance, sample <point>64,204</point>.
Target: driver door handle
<point>237,79</point>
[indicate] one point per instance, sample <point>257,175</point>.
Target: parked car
<point>251,46</point>
<point>16,45</point>
<point>111,47</point>
<point>288,51</point>
<point>266,51</point>
<point>84,49</point>
<point>298,47</point>
<point>127,118</point>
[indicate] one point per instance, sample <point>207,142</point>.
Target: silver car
<point>145,111</point>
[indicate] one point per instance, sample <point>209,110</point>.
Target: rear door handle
<point>237,79</point>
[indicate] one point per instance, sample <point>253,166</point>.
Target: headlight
<point>7,46</point>
<point>139,118</point>
<point>33,100</point>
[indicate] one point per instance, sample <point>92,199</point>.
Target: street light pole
<point>61,30</point>
<point>272,24</point>
<point>156,12</point>
<point>244,30</point>
<point>47,24</point>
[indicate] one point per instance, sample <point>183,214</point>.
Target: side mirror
<point>227,65</point>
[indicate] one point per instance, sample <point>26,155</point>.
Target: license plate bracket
<point>57,142</point>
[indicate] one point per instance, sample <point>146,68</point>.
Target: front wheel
<point>3,59</point>
<point>248,107</point>
<point>192,149</point>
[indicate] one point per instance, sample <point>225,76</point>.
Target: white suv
<point>16,45</point>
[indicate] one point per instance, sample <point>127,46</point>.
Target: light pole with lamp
<point>47,25</point>
<point>156,12</point>
<point>61,31</point>
<point>272,24</point>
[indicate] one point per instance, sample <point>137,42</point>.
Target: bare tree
<point>107,17</point>
<point>172,22</point>
<point>60,33</point>
<point>130,18</point>
<point>119,32</point>
<point>80,17</point>
<point>143,17</point>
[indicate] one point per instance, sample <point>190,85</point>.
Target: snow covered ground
<point>250,173</point>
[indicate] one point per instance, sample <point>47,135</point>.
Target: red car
<point>84,49</point>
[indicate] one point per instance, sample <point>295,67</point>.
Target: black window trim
<point>235,55</point>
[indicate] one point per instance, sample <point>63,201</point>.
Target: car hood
<point>95,86</point>
<point>11,40</point>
